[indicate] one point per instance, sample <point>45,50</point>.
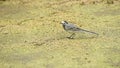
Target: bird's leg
<point>71,36</point>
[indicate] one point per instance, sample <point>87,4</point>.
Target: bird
<point>71,28</point>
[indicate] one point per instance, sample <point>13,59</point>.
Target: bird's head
<point>64,22</point>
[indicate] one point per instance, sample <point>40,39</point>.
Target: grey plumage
<point>69,27</point>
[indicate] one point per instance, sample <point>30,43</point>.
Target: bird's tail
<point>89,31</point>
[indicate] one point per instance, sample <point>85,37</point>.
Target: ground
<point>31,35</point>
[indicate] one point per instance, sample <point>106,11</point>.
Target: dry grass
<point>31,36</point>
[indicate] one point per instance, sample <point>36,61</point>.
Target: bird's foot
<point>70,37</point>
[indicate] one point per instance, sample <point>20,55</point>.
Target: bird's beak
<point>62,22</point>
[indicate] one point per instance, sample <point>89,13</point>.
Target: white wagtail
<point>71,28</point>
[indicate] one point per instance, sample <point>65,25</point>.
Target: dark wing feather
<point>71,27</point>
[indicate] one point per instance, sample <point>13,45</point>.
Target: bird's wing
<point>72,27</point>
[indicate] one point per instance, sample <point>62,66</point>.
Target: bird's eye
<point>66,22</point>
